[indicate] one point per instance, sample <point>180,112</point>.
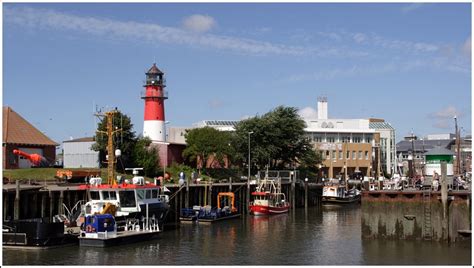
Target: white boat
<point>135,201</point>
<point>337,193</point>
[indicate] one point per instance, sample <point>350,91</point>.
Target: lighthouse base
<point>155,130</point>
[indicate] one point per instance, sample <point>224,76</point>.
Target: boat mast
<point>110,145</point>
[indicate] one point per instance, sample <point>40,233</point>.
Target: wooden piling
<point>209,196</point>
<point>60,203</point>
<point>43,205</point>
<point>293,195</point>
<point>51,205</point>
<point>199,196</point>
<point>16,209</point>
<point>305,194</point>
<point>444,201</point>
<point>34,205</point>
<point>5,205</point>
<point>186,201</point>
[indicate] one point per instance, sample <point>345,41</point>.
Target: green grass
<point>42,174</point>
<point>30,173</point>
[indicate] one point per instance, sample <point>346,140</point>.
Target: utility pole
<point>458,145</point>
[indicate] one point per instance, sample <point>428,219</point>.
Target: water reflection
<point>329,235</point>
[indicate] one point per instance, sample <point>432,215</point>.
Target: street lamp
<point>166,157</point>
<point>248,177</point>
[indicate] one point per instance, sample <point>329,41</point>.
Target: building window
<point>330,138</point>
<point>327,154</point>
<point>346,138</point>
<point>360,154</point>
<point>354,155</point>
<point>317,137</point>
<point>368,139</point>
<point>348,154</point>
<point>356,139</point>
<point>366,155</point>
<point>333,154</point>
<point>340,154</point>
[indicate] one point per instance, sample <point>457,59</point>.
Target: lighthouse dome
<point>154,70</point>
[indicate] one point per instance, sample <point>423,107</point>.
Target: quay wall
<point>33,201</point>
<point>412,215</point>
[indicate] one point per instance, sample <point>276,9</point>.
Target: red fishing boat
<point>268,198</point>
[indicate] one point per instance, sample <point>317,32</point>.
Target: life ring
<point>89,229</point>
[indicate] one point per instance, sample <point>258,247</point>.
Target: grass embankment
<point>48,174</point>
<point>45,174</point>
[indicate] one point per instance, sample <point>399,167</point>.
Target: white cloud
<point>308,113</point>
<point>448,112</point>
<point>199,23</point>
<point>130,30</point>
<point>216,103</point>
<point>411,7</point>
<point>466,48</point>
<point>360,37</point>
<point>444,118</point>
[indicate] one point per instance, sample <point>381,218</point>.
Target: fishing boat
<point>268,198</point>
<point>136,200</point>
<point>225,210</point>
<point>337,193</point>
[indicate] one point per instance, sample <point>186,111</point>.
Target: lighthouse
<point>154,96</point>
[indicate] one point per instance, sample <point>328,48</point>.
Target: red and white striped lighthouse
<point>154,96</point>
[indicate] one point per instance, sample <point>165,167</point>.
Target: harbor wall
<point>414,215</point>
<point>25,201</point>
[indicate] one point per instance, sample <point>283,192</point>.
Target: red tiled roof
<point>19,131</point>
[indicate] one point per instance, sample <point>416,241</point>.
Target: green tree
<point>124,140</point>
<point>146,156</point>
<point>205,142</point>
<point>278,140</point>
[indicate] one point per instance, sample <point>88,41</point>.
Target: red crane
<point>35,159</point>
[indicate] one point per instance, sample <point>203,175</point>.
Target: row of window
<point>112,195</point>
<point>339,155</point>
<point>332,138</point>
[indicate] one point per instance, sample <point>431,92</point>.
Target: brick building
<point>20,134</point>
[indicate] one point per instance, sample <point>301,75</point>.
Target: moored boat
<point>268,198</point>
<point>225,210</point>
<point>101,231</point>
<point>336,193</point>
<point>37,232</point>
<point>127,201</point>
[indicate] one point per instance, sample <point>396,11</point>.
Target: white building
<point>357,144</point>
<point>78,153</point>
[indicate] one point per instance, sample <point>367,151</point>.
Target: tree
<point>278,139</point>
<point>146,156</point>
<point>206,142</point>
<point>124,140</point>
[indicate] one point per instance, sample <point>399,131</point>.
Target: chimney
<point>322,108</point>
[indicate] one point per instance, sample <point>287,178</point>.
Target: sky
<point>409,64</point>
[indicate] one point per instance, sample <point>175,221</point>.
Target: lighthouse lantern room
<point>154,96</point>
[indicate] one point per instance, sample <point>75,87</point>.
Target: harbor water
<point>328,235</point>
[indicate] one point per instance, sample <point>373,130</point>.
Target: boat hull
<point>121,238</point>
<point>268,210</point>
<point>341,200</point>
<point>36,233</point>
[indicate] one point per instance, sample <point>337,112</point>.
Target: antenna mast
<point>110,144</point>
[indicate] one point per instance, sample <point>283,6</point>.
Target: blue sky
<point>407,63</point>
